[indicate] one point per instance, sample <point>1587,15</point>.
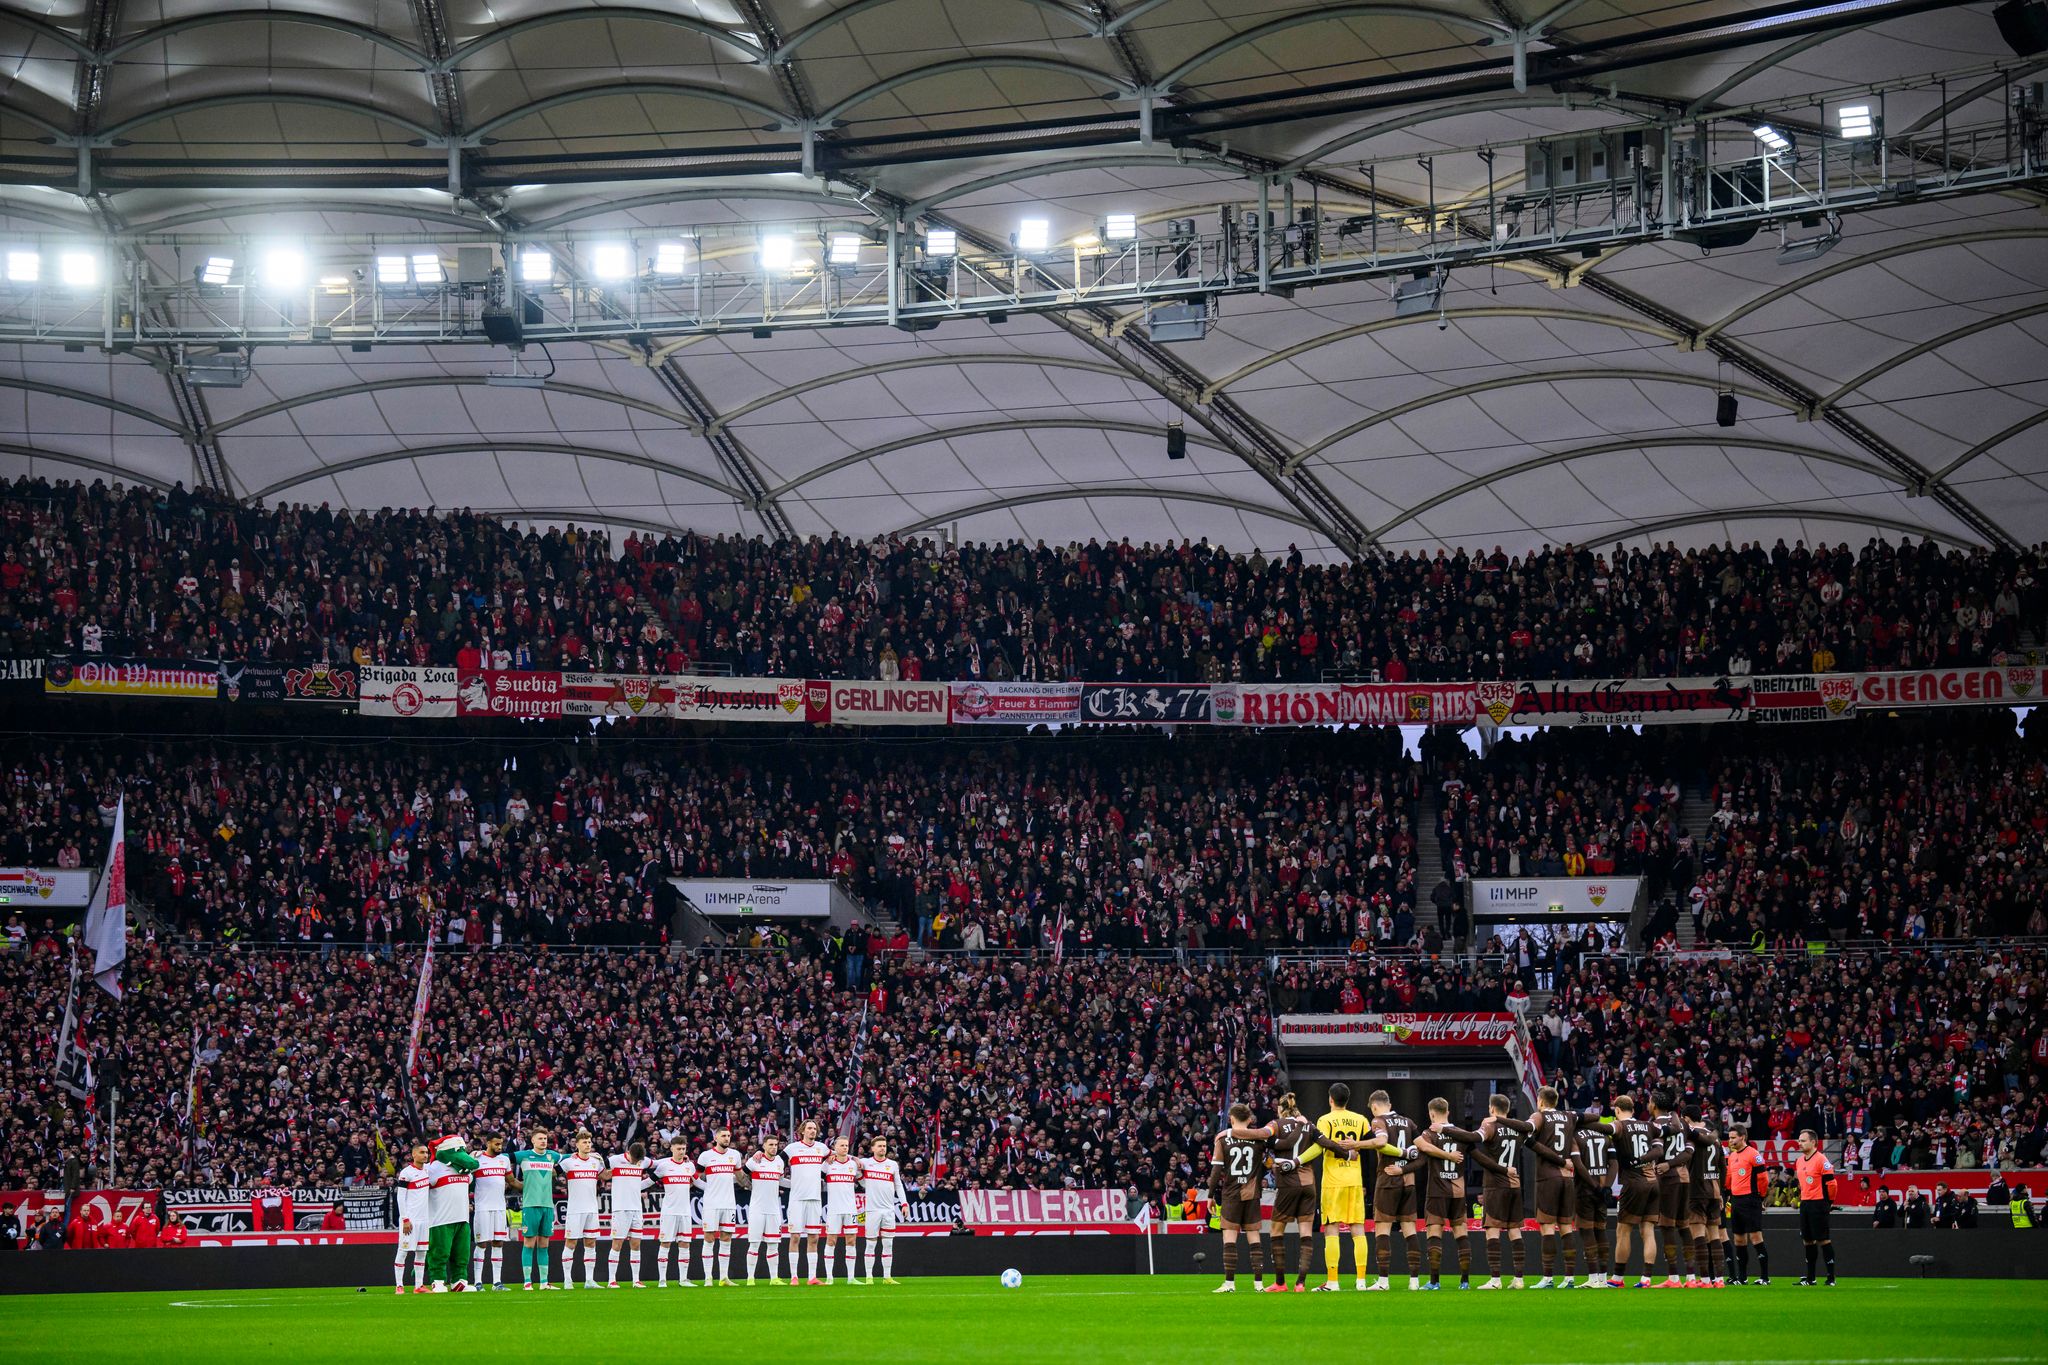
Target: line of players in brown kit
<point>1700,1203</point>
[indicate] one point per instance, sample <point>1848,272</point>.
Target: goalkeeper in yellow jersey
<point>1343,1186</point>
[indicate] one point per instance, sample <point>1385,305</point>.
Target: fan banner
<point>244,680</point>
<point>2015,686</point>
<point>407,693</point>
<point>1615,701</point>
<point>1466,1029</point>
<point>779,701</point>
<point>1348,703</point>
<point>1145,703</point>
<point>1787,697</point>
<point>56,888</point>
<point>842,702</point>
<point>109,1205</point>
<point>98,675</point>
<point>1045,1208</point>
<point>1014,703</point>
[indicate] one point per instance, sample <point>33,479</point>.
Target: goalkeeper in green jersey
<point>533,1170</point>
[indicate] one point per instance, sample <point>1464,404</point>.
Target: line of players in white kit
<point>834,1197</point>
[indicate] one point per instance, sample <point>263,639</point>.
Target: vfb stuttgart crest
<point>1597,893</point>
<point>1838,694</point>
<point>790,696</point>
<point>1497,701</point>
<point>2023,680</point>
<point>634,693</point>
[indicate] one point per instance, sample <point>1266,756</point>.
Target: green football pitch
<point>1080,1318</point>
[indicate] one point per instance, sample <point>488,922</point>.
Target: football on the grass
<point>1013,1279</point>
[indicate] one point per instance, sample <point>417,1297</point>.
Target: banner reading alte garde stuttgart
<point>544,694</point>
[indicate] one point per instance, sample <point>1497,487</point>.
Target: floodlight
<point>1772,139</point>
<point>1421,295</point>
<point>536,266</point>
<point>1810,248</point>
<point>78,269</point>
<point>217,271</point>
<point>844,249</point>
<point>1033,234</point>
<point>284,267</point>
<point>1120,227</point>
<point>1855,120</point>
<point>941,242</point>
<point>24,267</point>
<point>426,268</point>
<point>611,261</point>
<point>391,270</point>
<point>778,252</point>
<point>671,258</point>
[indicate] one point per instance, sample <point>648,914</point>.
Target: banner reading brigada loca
<point>1045,1208</point>
<point>97,675</point>
<point>1013,703</point>
<point>1615,701</point>
<point>406,693</point>
<point>1347,703</point>
<point>1476,1028</point>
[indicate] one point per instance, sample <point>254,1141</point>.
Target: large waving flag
<point>106,917</point>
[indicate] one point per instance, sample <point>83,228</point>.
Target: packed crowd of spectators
<point>1946,837</point>
<point>1099,843</point>
<point>244,1067</point>
<point>142,571</point>
<point>1924,1059</point>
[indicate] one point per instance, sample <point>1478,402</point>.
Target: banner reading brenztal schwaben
<point>56,888</point>
<point>1615,701</point>
<point>98,675</point>
<point>767,900</point>
<point>1535,897</point>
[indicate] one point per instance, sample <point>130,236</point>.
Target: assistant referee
<point>1815,1173</point>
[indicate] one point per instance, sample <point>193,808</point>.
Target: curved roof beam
<point>62,219</point>
<point>913,363</point>
<point>208,215</point>
<point>1766,62</point>
<point>1097,163</point>
<point>110,404</point>
<point>1828,272</point>
<point>1991,443</point>
<point>1112,491</point>
<point>1968,329</point>
<point>675,89</point>
<point>434,381</point>
<point>1907,528</point>
<point>1970,96</point>
<point>267,16</point>
<point>841,15</point>
<point>499,447</point>
<point>112,471</point>
<point>508,32</point>
<point>62,136</point>
<point>1430,114</point>
<point>1324,14</point>
<point>1664,333</point>
<point>982,429</point>
<point>369,111</point>
<point>989,63</point>
<point>75,46</point>
<point>1510,381</point>
<point>1480,481</point>
<point>648,201</point>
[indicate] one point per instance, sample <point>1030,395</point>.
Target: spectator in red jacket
<point>81,1234</point>
<point>111,1235</point>
<point>143,1228</point>
<point>332,1221</point>
<point>174,1233</point>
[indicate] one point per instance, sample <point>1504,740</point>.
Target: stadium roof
<point>1893,383</point>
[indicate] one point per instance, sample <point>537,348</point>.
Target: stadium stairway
<point>1695,817</point>
<point>1429,859</point>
